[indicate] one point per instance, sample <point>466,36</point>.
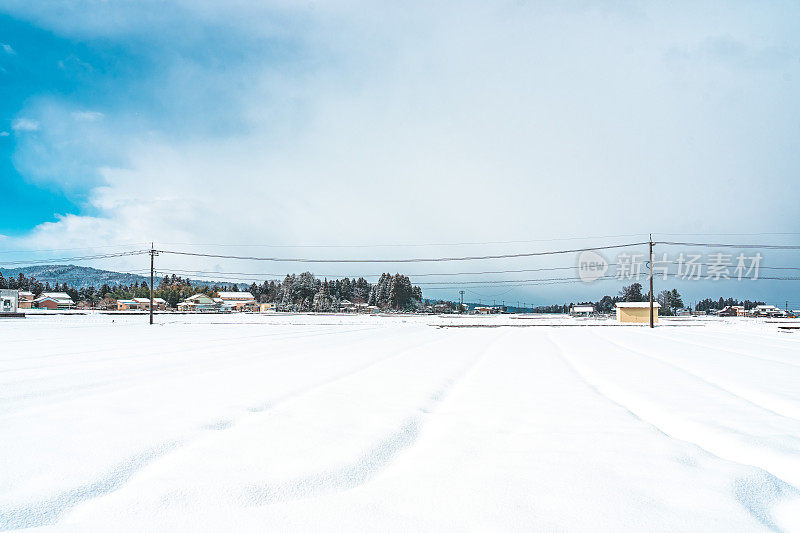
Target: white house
<point>9,300</point>
<point>239,301</point>
<point>198,302</point>
<point>581,310</point>
<point>767,310</point>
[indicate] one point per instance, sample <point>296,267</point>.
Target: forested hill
<point>82,277</point>
<point>76,276</point>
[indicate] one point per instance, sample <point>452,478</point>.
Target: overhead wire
<point>402,260</point>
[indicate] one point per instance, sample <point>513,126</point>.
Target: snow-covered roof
<point>637,304</point>
<point>198,296</point>
<point>127,302</point>
<point>147,300</point>
<point>236,296</point>
<point>55,295</point>
<point>583,308</point>
<point>25,294</point>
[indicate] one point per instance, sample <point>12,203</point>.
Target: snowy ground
<point>300,422</point>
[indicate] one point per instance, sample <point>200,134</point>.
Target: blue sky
<point>254,122</point>
<point>31,67</point>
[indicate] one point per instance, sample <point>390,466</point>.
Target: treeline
<point>669,300</point>
<point>303,292</point>
<point>306,292</point>
<point>708,304</point>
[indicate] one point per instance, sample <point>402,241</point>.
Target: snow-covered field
<point>301,422</point>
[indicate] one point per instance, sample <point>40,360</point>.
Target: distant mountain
<point>81,276</point>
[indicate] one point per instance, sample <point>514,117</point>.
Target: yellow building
<point>636,312</point>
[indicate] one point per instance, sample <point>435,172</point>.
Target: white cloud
<point>410,126</point>
<point>4,134</point>
<point>24,124</point>
<point>87,116</point>
<point>7,49</point>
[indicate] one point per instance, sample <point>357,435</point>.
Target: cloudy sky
<point>349,123</point>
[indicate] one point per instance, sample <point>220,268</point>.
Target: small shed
<point>636,312</point>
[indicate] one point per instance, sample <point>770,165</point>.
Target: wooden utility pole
<point>152,256</point>
<point>651,280</point>
<point>461,305</point>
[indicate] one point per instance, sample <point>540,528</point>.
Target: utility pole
<point>152,256</point>
<point>651,280</point>
<point>461,305</point>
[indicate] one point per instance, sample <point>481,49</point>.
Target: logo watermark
<point>713,266</point>
<point>591,266</point>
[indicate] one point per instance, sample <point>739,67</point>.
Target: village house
<point>159,304</point>
<point>238,301</point>
<point>636,312</point>
<point>127,305</point>
<point>767,311</point>
<point>25,300</point>
<point>54,300</point>
<point>483,310</point>
<point>732,310</point>
<point>581,310</point>
<point>9,300</point>
<point>346,306</point>
<point>198,303</point>
<point>267,307</point>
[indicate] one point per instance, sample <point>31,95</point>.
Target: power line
<point>558,281</point>
<point>260,275</point>
<point>727,245</point>
<point>414,260</point>
<point>62,260</point>
<point>755,234</point>
<point>255,274</point>
<point>405,245</point>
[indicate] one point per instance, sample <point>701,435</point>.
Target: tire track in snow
<point>776,407</point>
<point>728,350</point>
<point>754,338</point>
<point>375,459</point>
<point>759,493</point>
<point>50,510</point>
